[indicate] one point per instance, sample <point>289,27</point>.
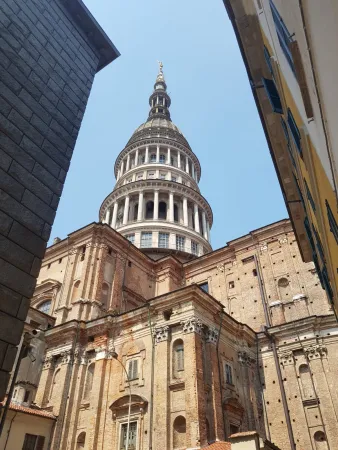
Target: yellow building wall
<point>311,169</point>
<point>18,424</point>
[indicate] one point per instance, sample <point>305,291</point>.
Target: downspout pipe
<point>219,370</point>
<point>9,429</point>
<point>275,355</point>
<point>151,412</point>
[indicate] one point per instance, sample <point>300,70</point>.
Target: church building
<point>159,342</point>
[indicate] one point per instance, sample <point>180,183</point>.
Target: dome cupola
<point>156,202</point>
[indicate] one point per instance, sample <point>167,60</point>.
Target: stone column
<point>187,164</point>
<point>107,218</point>
<point>126,210</point>
<point>185,211</point>
<point>158,154</point>
<point>115,208</point>
<point>122,167</point>
<point>192,170</point>
<point>146,159</point>
<point>197,221</point>
<point>208,231</point>
<point>161,394</point>
<point>128,162</point>
<point>168,156</point>
<point>171,206</point>
<point>156,193</point>
<point>140,206</point>
<point>172,240</point>
<point>216,390</point>
<point>118,175</point>
<point>196,435</point>
<point>204,223</point>
<point>136,157</point>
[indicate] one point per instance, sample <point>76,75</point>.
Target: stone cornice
<point>167,185</point>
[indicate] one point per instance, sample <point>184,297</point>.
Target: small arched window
<point>162,210</point>
<point>178,357</point>
<point>76,290</point>
<point>89,381</point>
<point>54,387</point>
<point>45,306</point>
<point>320,440</point>
<point>81,440</point>
<point>179,433</point>
<point>150,210</point>
<point>105,295</point>
<point>162,158</point>
<point>175,213</point>
<point>306,381</point>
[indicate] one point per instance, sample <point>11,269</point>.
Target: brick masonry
<point>47,67</point>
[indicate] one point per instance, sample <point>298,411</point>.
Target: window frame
<point>180,243</point>
<point>194,247</point>
<point>228,373</point>
<point>125,424</point>
<point>166,237</point>
<point>273,95</point>
<point>147,240</point>
<point>130,237</point>
<point>133,369</point>
<point>332,221</point>
<point>44,302</point>
<point>295,133</point>
<point>204,284</point>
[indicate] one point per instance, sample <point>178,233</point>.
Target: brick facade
<point>49,54</point>
<point>266,317</point>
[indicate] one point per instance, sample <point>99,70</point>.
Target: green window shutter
<point>273,95</point>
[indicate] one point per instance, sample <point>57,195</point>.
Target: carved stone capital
<point>80,356</point>
<point>48,362</point>
<point>315,351</point>
<point>244,359</point>
<point>67,356</point>
<point>286,357</point>
<point>211,335</point>
<point>161,333</point>
<point>192,325</point>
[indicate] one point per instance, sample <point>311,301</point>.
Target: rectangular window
<point>273,95</point>
<point>163,240</point>
<point>131,238</point>
<point>205,287</point>
<point>153,158</point>
<point>151,175</point>
<point>332,221</point>
<point>194,248</point>
<point>309,196</point>
<point>326,284</point>
<point>298,189</point>
<point>283,35</point>
<point>231,284</point>
<point>33,442</point>
<point>180,241</point>
<point>294,131</point>
<point>173,178</point>
<point>163,176</point>
<point>228,373</point>
<point>133,369</point>
<point>132,436</point>
<point>319,244</point>
<point>146,240</point>
<point>180,358</point>
<point>140,176</point>
<point>309,234</point>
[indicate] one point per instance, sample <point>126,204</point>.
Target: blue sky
<point>212,104</point>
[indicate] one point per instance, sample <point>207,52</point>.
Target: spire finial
<point>160,76</point>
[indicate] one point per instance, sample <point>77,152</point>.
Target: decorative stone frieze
<point>283,240</point>
<point>161,333</point>
<point>264,247</point>
<point>315,351</point>
<point>192,325</point>
<point>212,334</point>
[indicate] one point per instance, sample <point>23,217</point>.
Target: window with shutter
<point>133,369</point>
<point>332,221</point>
<point>309,196</point>
<point>228,374</point>
<point>180,357</point>
<point>40,443</point>
<point>294,131</point>
<point>29,442</point>
<point>273,95</point>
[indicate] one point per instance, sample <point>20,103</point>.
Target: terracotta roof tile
<point>33,411</point>
<point>220,445</point>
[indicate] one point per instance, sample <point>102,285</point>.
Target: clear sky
<point>212,104</point>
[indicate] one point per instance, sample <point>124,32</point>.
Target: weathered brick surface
<point>47,66</point>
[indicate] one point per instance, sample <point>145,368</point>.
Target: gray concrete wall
<point>50,51</point>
